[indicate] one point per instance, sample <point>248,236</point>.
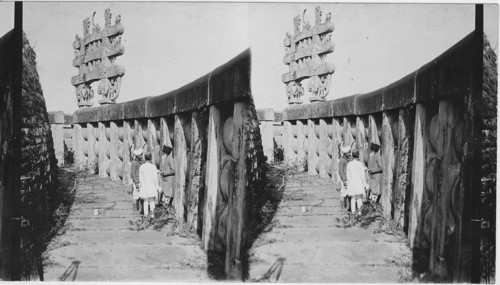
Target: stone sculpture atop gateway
<point>95,58</point>
<point>306,52</point>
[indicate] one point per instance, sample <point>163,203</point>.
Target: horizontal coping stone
<point>229,82</point>
<point>443,77</point>
<point>265,114</point>
<point>56,117</point>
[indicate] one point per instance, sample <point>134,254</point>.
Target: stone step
<point>124,237</point>
<point>103,213</point>
<point>286,210</point>
<point>354,234</point>
<point>326,202</point>
<point>85,273</point>
<point>292,273</point>
<point>309,221</point>
<point>96,223</point>
<point>101,205</point>
<point>122,255</point>
<point>328,253</point>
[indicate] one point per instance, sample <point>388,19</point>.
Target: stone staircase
<point>107,247</point>
<point>307,235</point>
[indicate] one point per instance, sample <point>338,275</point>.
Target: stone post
<point>387,149</point>
<point>212,177</point>
<point>57,128</point>
<point>154,142</point>
<point>287,143</point>
<point>448,168</point>
<point>180,155</point>
<point>348,138</point>
<point>418,176</point>
<point>237,205</point>
<point>91,145</point>
<point>311,148</point>
<point>114,159</point>
<point>361,140</point>
<point>127,143</point>
<point>336,141</point>
<point>323,141</point>
<point>103,141</point>
<point>301,145</point>
<point>266,125</point>
<point>194,186</point>
<point>78,146</point>
<point>402,168</point>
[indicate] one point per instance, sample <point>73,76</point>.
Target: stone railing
<point>212,126</point>
<point>423,124</point>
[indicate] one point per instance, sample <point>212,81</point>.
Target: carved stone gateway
<point>95,58</point>
<point>306,53</point>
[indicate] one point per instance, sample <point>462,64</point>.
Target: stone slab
<point>312,253</point>
<point>292,273</point>
<point>130,274</point>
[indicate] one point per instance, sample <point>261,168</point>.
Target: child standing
<point>150,187</point>
<point>134,172</point>
<point>344,160</point>
<point>356,176</point>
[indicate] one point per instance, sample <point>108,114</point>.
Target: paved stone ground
<point>315,249</point>
<point>107,247</point>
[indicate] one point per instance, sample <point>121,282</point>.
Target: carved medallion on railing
<point>95,58</point>
<point>306,53</point>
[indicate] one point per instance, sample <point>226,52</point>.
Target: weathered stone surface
<point>315,248</point>
<point>95,56</point>
<point>305,56</point>
<point>228,82</point>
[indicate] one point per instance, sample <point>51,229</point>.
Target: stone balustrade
<point>212,126</point>
<point>420,121</point>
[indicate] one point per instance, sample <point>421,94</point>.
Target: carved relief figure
<point>95,28</point>
<point>306,25</point>
<point>103,89</point>
<point>310,62</point>
<point>318,15</point>
<point>86,27</point>
<point>296,24</point>
<point>328,17</point>
<point>100,65</point>
<point>118,19</point>
<point>107,18</point>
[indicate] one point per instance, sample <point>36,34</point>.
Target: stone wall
<point>489,164</point>
<point>38,163</point>
<point>418,121</point>
<point>9,165</point>
<point>212,126</point>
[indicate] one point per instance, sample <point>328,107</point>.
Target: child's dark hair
<point>148,156</point>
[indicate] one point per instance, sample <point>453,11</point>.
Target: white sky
<point>168,45</point>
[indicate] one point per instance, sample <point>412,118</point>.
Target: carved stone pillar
<point>91,145</point>
<point>180,155</point>
<point>103,144</point>
<point>402,180</point>
<point>287,143</point>
<point>78,145</point>
<point>237,199</point>
<point>212,178</point>
<point>194,169</point>
<point>387,149</point>
<point>323,141</point>
<point>311,148</point>
<point>114,144</point>
<point>446,198</point>
<point>336,142</point>
<point>418,176</point>
<point>302,146</point>
<point>128,134</point>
